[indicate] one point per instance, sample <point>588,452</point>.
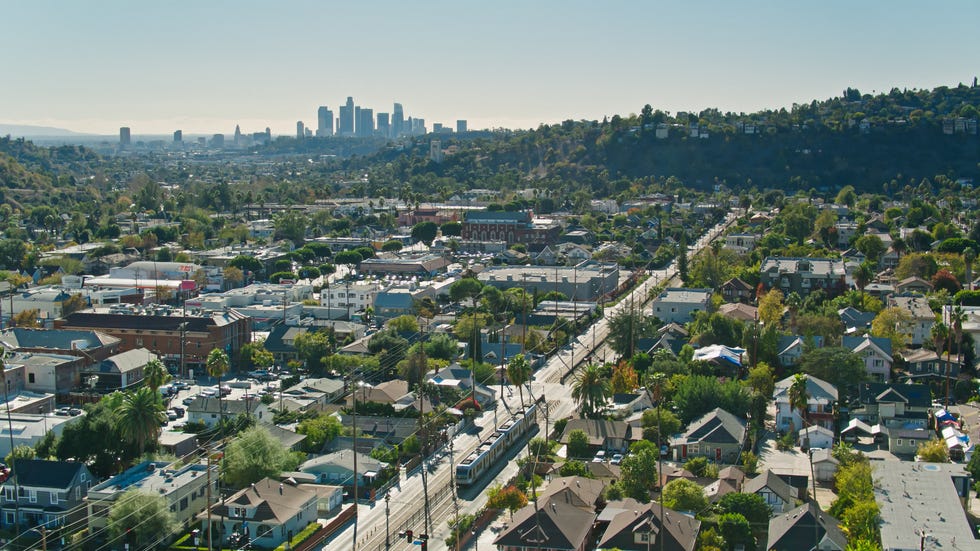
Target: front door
<point>718,455</point>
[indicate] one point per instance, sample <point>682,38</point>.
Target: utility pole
<point>452,487</point>
<point>354,452</point>
<point>422,431</point>
<point>208,497</point>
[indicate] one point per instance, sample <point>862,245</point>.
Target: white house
<point>678,305</point>
<point>816,436</point>
<point>821,396</point>
<point>876,353</point>
<point>919,329</point>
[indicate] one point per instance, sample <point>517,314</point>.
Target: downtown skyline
<point>205,68</point>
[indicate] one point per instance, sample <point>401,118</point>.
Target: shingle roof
<point>717,426</point>
<point>563,526</point>
<point>817,389</point>
<point>598,430</point>
<point>39,473</point>
<point>793,531</point>
<point>272,500</point>
<point>769,479</point>
<point>628,517</point>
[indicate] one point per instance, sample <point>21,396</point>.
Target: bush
<point>465,523</point>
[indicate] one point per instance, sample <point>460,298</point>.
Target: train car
<point>485,456</point>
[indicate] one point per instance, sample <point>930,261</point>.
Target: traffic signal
<point>424,538</point>
<point>408,536</point>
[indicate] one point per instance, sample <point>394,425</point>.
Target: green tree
<point>253,355</point>
<point>155,374</point>
<point>465,288</point>
<point>624,379</point>
<point>351,259</point>
<point>751,506</point>
<point>862,277</point>
<point>313,347</point>
<point>861,520</point>
<point>684,495</point>
<point>73,304</point>
<point>969,257</point>
<point>392,246</point>
<point>518,372</point>
<point>771,307</point>
<point>291,225</point>
<point>254,455</point>
<point>701,467</point>
<point>319,430</point>
<point>838,366</point>
<point>509,498</point>
<point>451,229</point>
<point>20,451</point>
<point>590,389</point>
<point>217,364</point>
<point>892,323</point>
<point>871,245</point>
<point>736,530</point>
<point>761,379</point>
<point>406,324</point>
<point>574,467</point>
<point>140,417</point>
<point>425,232</point>
<point>799,397</point>
<point>668,424</point>
<point>698,394</point>
<point>639,474</point>
<point>578,443</point>
<point>626,327</point>
<point>933,451</point>
<point>141,519</point>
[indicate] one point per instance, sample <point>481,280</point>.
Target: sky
<point>204,66</point>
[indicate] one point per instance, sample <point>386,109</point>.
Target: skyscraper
<point>238,135</point>
<point>384,126</point>
<point>300,130</point>
<point>365,122</point>
<point>347,118</point>
<point>178,136</point>
<point>324,122</point>
<point>397,121</point>
<point>124,139</point>
<point>461,126</point>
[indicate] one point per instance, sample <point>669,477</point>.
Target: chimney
<point>280,489</point>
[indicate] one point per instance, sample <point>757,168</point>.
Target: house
<point>741,243</point>
<point>803,275</point>
<point>613,436</point>
<point>671,337</point>
<point>855,320</point>
<point>821,397</point>
<point>906,441</point>
<point>332,389</point>
<point>210,410</point>
<point>338,468</point>
<point>815,436</point>
<point>937,494</point>
<point>56,374</point>
<point>923,363</point>
<point>552,523</point>
<point>269,511</point>
<point>185,490</point>
<point>892,405</point>
<point>120,372</point>
<point>779,495</point>
<point>51,493</point>
<point>629,525</point>
<point>824,464</point>
<point>177,444</point>
<point>577,490</point>
<point>678,305</point>
<point>913,285</point>
<point>876,352</point>
<point>461,379</point>
<point>736,290</point>
<point>790,348</point>
<point>739,312</point>
<point>387,392</point>
<point>922,318</point>
<point>717,435</point>
<point>971,325</point>
<point>797,529</point>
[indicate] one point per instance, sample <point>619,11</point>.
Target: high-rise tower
<point>347,118</point>
<point>324,122</point>
<point>397,121</point>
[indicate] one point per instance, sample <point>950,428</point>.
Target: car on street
<point>189,400</point>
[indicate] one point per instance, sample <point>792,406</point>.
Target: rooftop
<point>156,477</point>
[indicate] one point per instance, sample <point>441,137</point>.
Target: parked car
<point>600,457</point>
<point>189,400</point>
<point>617,458</point>
<point>178,410</point>
<point>171,415</point>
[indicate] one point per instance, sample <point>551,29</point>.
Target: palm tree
<point>590,389</point>
<point>155,374</point>
<point>217,365</point>
<point>956,318</point>
<point>939,334</point>
<point>969,255</point>
<point>899,246</point>
<point>519,371</point>
<point>140,417</point>
<point>798,396</point>
<point>862,276</point>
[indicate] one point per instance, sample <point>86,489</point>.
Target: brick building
<point>512,227</point>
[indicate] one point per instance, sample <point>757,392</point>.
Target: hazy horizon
<point>205,67</point>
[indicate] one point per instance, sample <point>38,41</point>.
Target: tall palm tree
<point>862,276</point>
<point>798,396</point>
<point>140,417</point>
<point>969,256</point>
<point>519,371</point>
<point>590,389</point>
<point>155,375</point>
<point>217,365</point>
<point>956,319</point>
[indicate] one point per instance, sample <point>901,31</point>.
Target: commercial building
<point>678,304</point>
<point>584,282</point>
<point>346,126</point>
<point>512,227</point>
<point>324,122</point>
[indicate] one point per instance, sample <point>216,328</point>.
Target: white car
<point>617,458</point>
<point>600,457</point>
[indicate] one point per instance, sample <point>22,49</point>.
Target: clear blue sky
<point>204,66</point>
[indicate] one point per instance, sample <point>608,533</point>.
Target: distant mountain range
<point>31,131</point>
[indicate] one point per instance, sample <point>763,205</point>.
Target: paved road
<point>405,509</point>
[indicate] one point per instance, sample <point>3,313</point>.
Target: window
<point>78,493</point>
<point>54,498</point>
<point>30,377</point>
<point>898,442</point>
<point>32,496</point>
<point>8,494</point>
<point>183,503</point>
<point>8,518</point>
